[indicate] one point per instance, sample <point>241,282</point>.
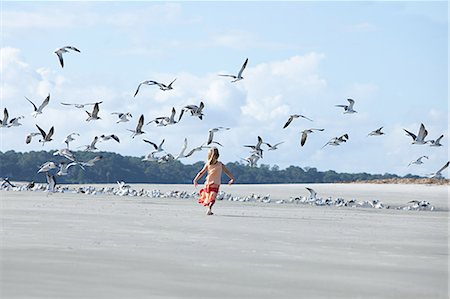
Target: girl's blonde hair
<point>213,155</point>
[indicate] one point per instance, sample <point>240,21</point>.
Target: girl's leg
<point>211,203</point>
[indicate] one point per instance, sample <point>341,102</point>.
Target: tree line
<point>114,167</point>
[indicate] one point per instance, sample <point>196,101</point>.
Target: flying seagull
<point>47,166</point>
<point>94,114</point>
<point>239,75</point>
<point>46,137</point>
<point>420,138</point>
<point>291,118</point>
<point>436,142</point>
<point>376,132</point>
<point>14,122</point>
<point>152,82</point>
<point>104,137</point>
<point>211,133</point>
<point>348,108</point>
<point>256,149</point>
<point>38,110</point>
<point>80,106</point>
<point>305,135</point>
<point>30,137</point>
<point>91,162</point>
<point>65,152</point>
<point>335,141</point>
<point>158,148</point>
<point>273,147</point>
<point>69,138</point>
<point>194,109</point>
<point>4,122</point>
<point>438,174</point>
<point>123,117</point>
<point>138,130</point>
<point>418,161</point>
<point>62,50</point>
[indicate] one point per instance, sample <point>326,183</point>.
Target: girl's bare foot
<point>209,213</point>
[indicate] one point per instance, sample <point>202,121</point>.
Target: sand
<point>85,246</point>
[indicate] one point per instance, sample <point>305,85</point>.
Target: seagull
<point>438,174</point>
<point>376,132</point>
<point>211,133</point>
<point>91,147</point>
<point>4,122</point>
<point>160,85</point>
<point>335,141</point>
<point>138,130</point>
<point>80,106</point>
<point>196,149</point>
<point>436,142</point>
<point>183,149</point>
<point>91,162</point>
<point>273,147</point>
<point>256,149</point>
<point>312,193</point>
<point>150,157</point>
<point>109,137</point>
<point>63,168</point>
<point>418,161</point>
<point>348,108</point>
<point>239,75</point>
<point>15,122</point>
<point>65,152</point>
<point>46,137</point>
<point>30,137</point>
<point>305,135</point>
<point>62,50</point>
<point>291,118</point>
<point>166,120</point>
<point>158,148</point>
<point>123,117</point>
<point>94,114</point>
<point>69,138</point>
<point>252,160</point>
<point>194,109</point>
<point>36,109</point>
<point>51,182</point>
<point>420,138</point>
<point>47,166</point>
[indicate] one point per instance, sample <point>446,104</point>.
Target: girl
<point>214,168</point>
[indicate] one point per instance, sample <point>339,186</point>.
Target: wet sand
<point>86,246</point>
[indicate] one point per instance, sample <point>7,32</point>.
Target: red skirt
<point>207,196</point>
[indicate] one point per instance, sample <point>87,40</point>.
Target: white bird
<point>239,75</point>
<point>91,162</point>
<point>51,182</point>
<point>46,137</point>
<point>212,131</point>
<point>183,149</point>
<point>418,161</point>
<point>438,174</point>
<point>14,122</point>
<point>291,118</point>
<point>47,166</point>
<point>69,138</point>
<point>335,141</point>
<point>104,137</point>
<point>63,168</point>
<point>150,157</point>
<point>94,114</point>
<point>30,137</point>
<point>312,193</point>
<point>38,110</point>
<point>123,117</point>
<point>4,122</point>
<point>196,149</point>
<point>348,108</point>
<point>376,132</point>
<point>305,135</point>
<point>273,147</point>
<point>138,130</point>
<point>59,52</point>
<point>65,152</point>
<point>194,109</point>
<point>420,138</point>
<point>436,142</point>
<point>252,160</point>
<point>256,149</point>
<point>80,106</point>
<point>91,146</point>
<point>166,120</point>
<point>160,85</point>
<point>158,148</point>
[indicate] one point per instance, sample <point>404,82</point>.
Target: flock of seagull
<point>158,153</point>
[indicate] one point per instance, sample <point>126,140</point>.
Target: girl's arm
<point>229,174</point>
<point>200,174</point>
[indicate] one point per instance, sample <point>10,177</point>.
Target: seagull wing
<point>5,116</point>
<point>303,140</point>
<point>137,90</point>
<point>34,106</point>
<point>50,133</point>
<point>242,68</point>
<point>443,167</point>
<point>291,118</point>
<point>44,103</point>
<point>72,48</point>
<point>232,76</point>
<point>410,134</point>
<point>352,102</point>
<point>95,110</point>
<point>210,137</point>
<point>140,123</point>
<point>422,133</point>
<point>61,61</point>
<point>42,131</point>
<point>153,144</point>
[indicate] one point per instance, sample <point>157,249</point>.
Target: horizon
<point>303,58</point>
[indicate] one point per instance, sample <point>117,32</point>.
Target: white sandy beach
<point>90,246</point>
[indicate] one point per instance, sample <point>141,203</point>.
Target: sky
<point>303,58</point>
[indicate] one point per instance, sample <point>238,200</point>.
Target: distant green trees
<point>113,167</point>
